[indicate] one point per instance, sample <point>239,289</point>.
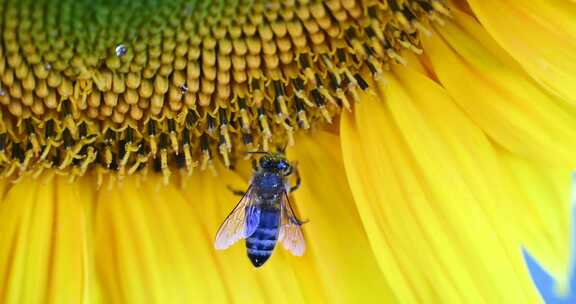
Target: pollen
<point>175,85</point>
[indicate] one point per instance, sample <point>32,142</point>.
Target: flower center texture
<point>126,85</point>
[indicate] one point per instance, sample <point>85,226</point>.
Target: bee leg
<point>298,222</point>
<point>254,165</point>
<point>298,181</point>
<point>236,191</point>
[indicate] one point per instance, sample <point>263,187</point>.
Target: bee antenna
<point>256,152</point>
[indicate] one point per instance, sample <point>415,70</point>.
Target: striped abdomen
<point>260,244</point>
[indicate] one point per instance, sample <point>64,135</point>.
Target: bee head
<point>276,163</point>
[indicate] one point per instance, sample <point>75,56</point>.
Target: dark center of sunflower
<point>126,85</point>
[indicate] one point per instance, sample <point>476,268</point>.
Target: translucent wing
<point>240,223</point>
<point>291,235</point>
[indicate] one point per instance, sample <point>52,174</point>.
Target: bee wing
<point>291,236</point>
<point>240,223</point>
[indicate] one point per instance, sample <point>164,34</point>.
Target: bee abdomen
<point>261,243</point>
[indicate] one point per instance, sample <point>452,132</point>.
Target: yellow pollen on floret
<point>91,85</point>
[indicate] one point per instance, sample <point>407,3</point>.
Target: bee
<point>264,215</point>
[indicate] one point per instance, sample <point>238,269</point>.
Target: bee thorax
<point>269,185</point>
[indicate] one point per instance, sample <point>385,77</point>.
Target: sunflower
<point>435,139</point>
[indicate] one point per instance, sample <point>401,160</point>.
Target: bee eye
<point>283,166</point>
<point>264,163</point>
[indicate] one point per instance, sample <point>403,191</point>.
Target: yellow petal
<point>336,241</point>
<point>149,248</point>
<point>71,253</point>
<point>419,171</point>
<point>541,35</point>
<point>528,202</point>
<point>540,207</point>
<point>43,247</point>
<point>16,211</point>
<point>511,108</point>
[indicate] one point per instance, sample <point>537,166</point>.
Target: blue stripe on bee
<point>264,234</point>
<point>261,244</point>
<point>263,253</point>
